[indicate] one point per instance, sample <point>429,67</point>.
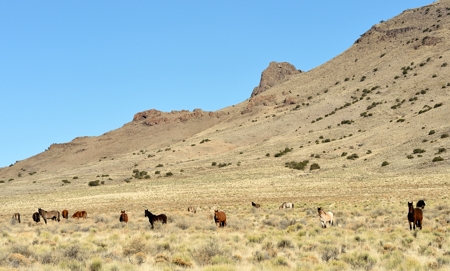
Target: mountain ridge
<point>379,99</point>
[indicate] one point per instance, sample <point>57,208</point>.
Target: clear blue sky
<point>83,68</point>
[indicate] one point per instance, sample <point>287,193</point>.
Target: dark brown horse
<point>415,216</point>
<point>220,218</point>
<point>54,215</point>
<point>421,204</point>
<point>36,217</point>
<point>65,214</point>
<point>256,205</point>
<point>16,216</point>
<point>152,218</point>
<point>123,217</point>
<point>80,214</point>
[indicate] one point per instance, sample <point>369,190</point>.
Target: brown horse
<point>65,214</point>
<point>220,218</point>
<point>325,217</point>
<point>152,218</point>
<point>415,216</point>
<point>256,205</point>
<point>36,217</point>
<point>54,215</point>
<point>80,214</point>
<point>123,217</point>
<point>192,209</point>
<point>16,216</point>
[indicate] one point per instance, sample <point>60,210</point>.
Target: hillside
<point>385,99</point>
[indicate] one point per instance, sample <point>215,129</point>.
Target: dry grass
<point>369,233</point>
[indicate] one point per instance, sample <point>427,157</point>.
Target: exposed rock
<point>154,117</point>
<point>276,73</point>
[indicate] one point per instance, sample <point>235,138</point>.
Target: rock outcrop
<point>154,117</point>
<point>276,73</point>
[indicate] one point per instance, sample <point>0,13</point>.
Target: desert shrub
<point>204,140</point>
<point>285,243</point>
<point>329,253</point>
<point>255,238</point>
<point>344,154</point>
<point>65,181</point>
<point>297,165</point>
<point>160,165</point>
<point>353,156</point>
<point>157,172</point>
<point>213,164</point>
<point>385,163</point>
<point>438,159</point>
<point>74,252</point>
<point>206,252</point>
<point>139,258</point>
<point>94,183</point>
<point>441,150</point>
<point>360,260</point>
<point>347,122</point>
<point>444,135</point>
<point>96,265</point>
<point>181,262</point>
<point>182,225</point>
<point>168,174</point>
<point>134,246</point>
<point>314,166</point>
<point>283,152</point>
<point>431,132</point>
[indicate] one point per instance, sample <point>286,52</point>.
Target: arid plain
<point>360,135</point>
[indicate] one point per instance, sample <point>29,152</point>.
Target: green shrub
<point>297,165</point>
<point>385,163</point>
<point>65,181</point>
<point>94,183</point>
<point>431,132</point>
<point>76,177</point>
<point>213,164</point>
<point>343,154</point>
<point>283,152</point>
<point>353,156</point>
<point>438,159</point>
<point>314,166</point>
<point>418,151</point>
<point>204,140</point>
<point>441,150</point>
<point>444,136</point>
<point>157,172</point>
<point>160,165</point>
<point>168,174</point>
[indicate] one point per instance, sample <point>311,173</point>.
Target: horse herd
<point>415,215</point>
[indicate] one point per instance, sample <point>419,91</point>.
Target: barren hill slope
<point>385,99</point>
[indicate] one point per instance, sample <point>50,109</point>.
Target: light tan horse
<point>192,209</point>
<point>325,217</point>
<point>286,205</point>
<point>16,216</point>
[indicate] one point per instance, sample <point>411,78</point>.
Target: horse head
<point>410,207</point>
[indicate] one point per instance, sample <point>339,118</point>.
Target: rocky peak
<point>276,73</point>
